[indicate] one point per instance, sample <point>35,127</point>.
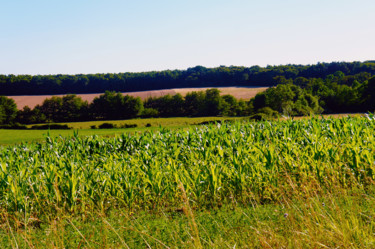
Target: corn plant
<point>233,162</point>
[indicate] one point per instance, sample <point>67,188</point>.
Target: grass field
<point>164,122</point>
<point>19,136</point>
<point>305,183</point>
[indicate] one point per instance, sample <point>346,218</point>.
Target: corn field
<point>212,165</point>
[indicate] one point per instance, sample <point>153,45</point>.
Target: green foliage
<point>52,108</point>
<point>194,103</point>
<point>287,99</point>
<point>369,95</point>
<point>56,109</point>
<point>265,113</point>
<point>131,107</point>
<point>213,102</point>
<point>114,106</point>
<point>340,93</point>
<point>73,108</point>
<point>107,106</point>
<point>8,110</point>
<point>230,106</point>
<point>14,126</point>
<point>128,126</point>
<point>50,127</point>
<point>166,106</point>
<point>2,115</point>
<point>207,103</point>
<point>27,116</point>
<point>149,113</point>
<point>107,126</point>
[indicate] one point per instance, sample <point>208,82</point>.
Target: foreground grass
<point>330,220</point>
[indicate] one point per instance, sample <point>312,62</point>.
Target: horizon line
<point>185,69</point>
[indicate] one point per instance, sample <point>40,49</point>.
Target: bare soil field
<point>245,93</point>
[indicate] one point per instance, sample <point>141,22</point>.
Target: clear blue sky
<point>92,36</point>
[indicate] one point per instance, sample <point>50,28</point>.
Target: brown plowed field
<point>238,92</point>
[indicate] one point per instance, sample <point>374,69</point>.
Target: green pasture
<point>20,136</point>
<point>164,122</point>
<point>25,136</point>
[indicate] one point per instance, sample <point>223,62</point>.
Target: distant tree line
<point>198,76</point>
<point>314,97</point>
<point>334,93</point>
<point>115,106</point>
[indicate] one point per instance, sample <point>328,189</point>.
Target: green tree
<point>368,95</point>
<point>194,104</point>
<point>131,107</point>
<point>288,99</point>
<point>2,115</point>
<point>107,106</point>
<point>245,108</point>
<point>52,109</point>
<point>167,105</point>
<point>230,106</point>
<point>8,110</point>
<point>25,116</point>
<point>178,105</point>
<point>213,102</point>
<point>73,109</point>
<point>112,105</point>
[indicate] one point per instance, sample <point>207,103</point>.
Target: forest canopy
<point>198,76</point>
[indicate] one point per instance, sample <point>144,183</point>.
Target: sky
<point>112,36</point>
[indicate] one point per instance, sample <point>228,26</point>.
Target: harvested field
<point>245,93</point>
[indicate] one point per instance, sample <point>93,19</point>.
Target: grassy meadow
<point>283,184</point>
<point>8,137</point>
<point>154,122</point>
